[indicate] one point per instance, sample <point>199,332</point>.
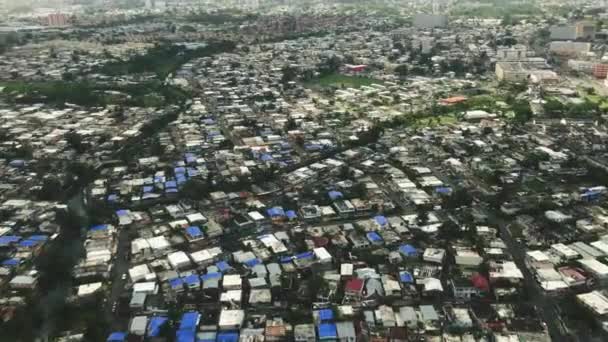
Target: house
<point>231,319</point>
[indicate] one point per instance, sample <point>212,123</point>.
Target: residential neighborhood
<point>273,170</point>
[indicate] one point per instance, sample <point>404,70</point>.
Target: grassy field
<point>339,80</point>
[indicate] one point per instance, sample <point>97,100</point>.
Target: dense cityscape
<point>282,170</point>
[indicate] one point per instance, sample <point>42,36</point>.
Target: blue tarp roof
<point>276,211</point>
<point>374,237</point>
<point>326,315</point>
<point>112,198</point>
<point>305,255</point>
<point>179,170</point>
<point>29,243</point>
<point>408,250</point>
<point>99,227</point>
<point>327,331</point>
<point>148,188</point>
<point>334,195</point>
<point>155,324</point>
<point>8,239</point>
<point>212,275</point>
<point>117,337</point>
<point>192,279</point>
<point>194,231</point>
<point>189,321</point>
<point>122,212</point>
<point>170,184</point>
<point>406,277</point>
<point>223,266</point>
<point>286,259</point>
<point>381,220</point>
<point>185,336</point>
<point>171,190</point>
<point>176,282</point>
<point>227,336</point>
<point>159,179</point>
<point>11,262</point>
<point>252,262</point>
<point>17,163</point>
<point>443,190</point>
<point>38,237</point>
<point>266,157</point>
<point>291,214</point>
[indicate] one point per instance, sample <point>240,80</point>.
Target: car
<point>124,276</point>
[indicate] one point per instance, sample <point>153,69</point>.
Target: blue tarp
<point>38,237</point>
<point>266,157</point>
<point>159,179</point>
<point>155,324</point>
<point>117,337</point>
<point>11,262</point>
<point>17,163</point>
<point>171,190</point>
<point>381,220</point>
<point>170,184</point>
<point>334,195</point>
<point>178,170</point>
<point>406,277</point>
<point>276,211</point>
<point>185,336</point>
<point>208,276</point>
<point>286,259</point>
<point>192,279</point>
<point>176,282</point>
<point>252,262</point>
<point>443,190</point>
<point>194,231</point>
<point>291,214</point>
<point>28,243</point>
<point>227,336</point>
<point>148,188</point>
<point>122,212</point>
<point>189,321</point>
<point>223,266</point>
<point>326,315</point>
<point>374,237</point>
<point>112,198</point>
<point>408,250</point>
<point>8,239</point>
<point>327,331</point>
<point>305,255</point>
<point>99,227</point>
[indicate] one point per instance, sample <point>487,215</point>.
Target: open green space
<point>148,94</point>
<point>341,81</point>
<point>164,59</point>
<point>496,9</point>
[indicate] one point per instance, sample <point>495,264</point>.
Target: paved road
<point>117,286</point>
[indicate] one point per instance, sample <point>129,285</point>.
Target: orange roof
<point>455,99</point>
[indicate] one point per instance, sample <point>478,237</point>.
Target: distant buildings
<point>56,19</point>
<point>581,30</point>
<point>422,20</point>
<point>567,48</point>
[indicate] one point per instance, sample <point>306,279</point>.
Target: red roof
<point>354,285</point>
<point>480,282</point>
<point>453,100</point>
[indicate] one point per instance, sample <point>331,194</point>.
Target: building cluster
<point>365,183</point>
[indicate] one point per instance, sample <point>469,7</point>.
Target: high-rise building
<point>57,19</point>
<point>422,20</point>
